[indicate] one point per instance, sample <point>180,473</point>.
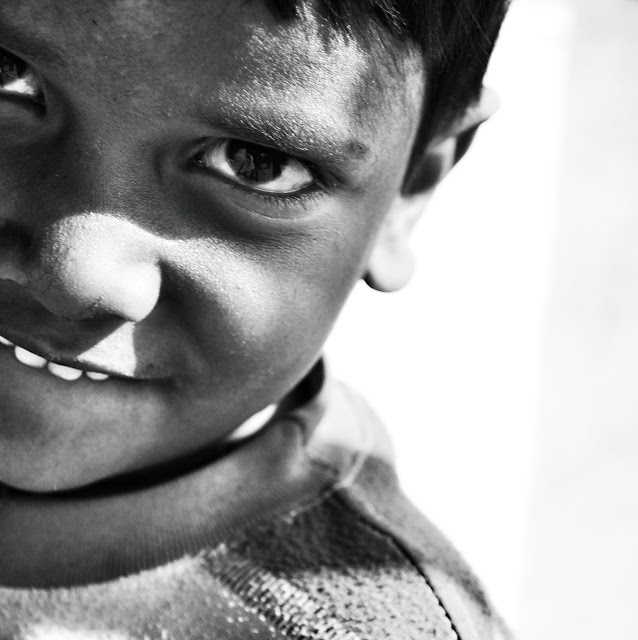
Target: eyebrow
<point>302,133</point>
<point>30,46</point>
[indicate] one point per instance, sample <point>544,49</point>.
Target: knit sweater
<point>326,547</point>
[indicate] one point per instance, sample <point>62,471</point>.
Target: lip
<point>47,353</point>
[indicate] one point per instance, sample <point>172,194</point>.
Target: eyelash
<point>286,200</point>
<point>303,197</point>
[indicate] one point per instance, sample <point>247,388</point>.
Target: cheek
<point>276,300</point>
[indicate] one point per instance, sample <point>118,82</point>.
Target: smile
<point>59,370</point>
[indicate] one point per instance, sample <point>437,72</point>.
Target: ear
<point>391,262</point>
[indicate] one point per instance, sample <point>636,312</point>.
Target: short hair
<point>454,37</point>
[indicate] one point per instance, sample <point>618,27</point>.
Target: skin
<point>206,301</point>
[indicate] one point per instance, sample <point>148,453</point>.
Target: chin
<point>37,472</point>
<point>40,484</point>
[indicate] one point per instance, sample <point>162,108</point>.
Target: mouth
<point>63,370</point>
<point>53,405</point>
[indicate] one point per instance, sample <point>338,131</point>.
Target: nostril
<point>15,238</point>
<point>16,244</point>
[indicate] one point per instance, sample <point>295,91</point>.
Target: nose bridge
<point>101,168</point>
<point>76,173</point>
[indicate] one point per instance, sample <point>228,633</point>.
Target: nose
<point>88,265</point>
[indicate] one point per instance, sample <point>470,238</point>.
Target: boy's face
<point>188,212</point>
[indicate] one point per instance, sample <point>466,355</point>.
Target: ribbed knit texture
<point>326,574</point>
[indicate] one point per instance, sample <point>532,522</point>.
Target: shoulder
<point>376,497</point>
<point>360,560</point>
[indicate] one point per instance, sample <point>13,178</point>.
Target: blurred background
<point>507,371</point>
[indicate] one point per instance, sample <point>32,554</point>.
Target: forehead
<point>215,55</point>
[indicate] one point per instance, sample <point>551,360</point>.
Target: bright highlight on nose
<point>94,265</point>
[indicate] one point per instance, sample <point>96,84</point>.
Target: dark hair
<point>455,38</point>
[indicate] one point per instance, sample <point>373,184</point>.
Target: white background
<point>507,371</point>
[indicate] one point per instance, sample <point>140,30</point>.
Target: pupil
<point>253,163</point>
<point>11,68</point>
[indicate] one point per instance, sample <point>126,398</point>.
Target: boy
<point>189,191</point>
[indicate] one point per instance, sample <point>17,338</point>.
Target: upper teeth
<point>59,370</point>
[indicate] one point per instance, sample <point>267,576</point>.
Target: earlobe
<point>391,262</point>
<point>390,270</point>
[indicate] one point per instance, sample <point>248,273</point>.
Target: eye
<point>252,165</point>
<point>17,78</point>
